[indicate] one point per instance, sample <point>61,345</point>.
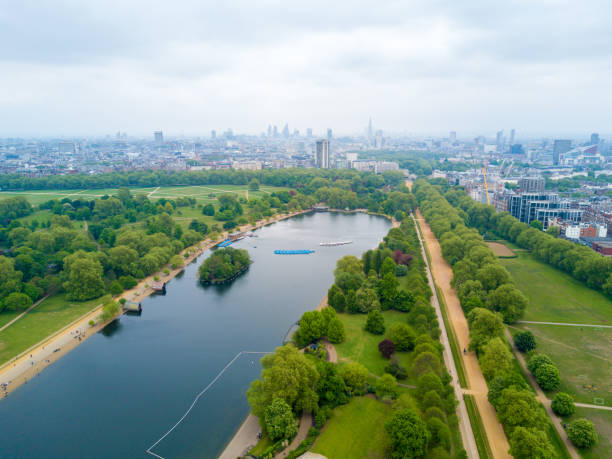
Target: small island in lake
<point>224,265</point>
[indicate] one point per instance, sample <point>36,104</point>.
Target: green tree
<point>287,374</point>
<point>123,259</point>
<point>209,210</point>
<point>563,404</point>
<point>312,328</point>
<point>17,301</point>
<point>525,341</point>
<point>484,326</point>
<point>84,277</point>
<point>388,266</point>
<point>537,224</point>
<point>536,360</point>
<point>279,420</point>
<point>354,376</point>
<point>582,433</point>
<point>335,331</point>
<point>10,280</point>
<point>115,287</point>
<point>530,443</point>
<point>547,376</point>
<point>495,358</point>
<point>554,231</point>
<point>375,322</point>
<point>386,385</point>
<point>409,435</point>
<point>388,290</point>
<point>509,301</point>
<point>516,407</point>
<point>366,300</point>
<point>254,185</point>
<point>403,336</point>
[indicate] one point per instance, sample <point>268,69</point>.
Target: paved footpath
<point>443,275</point>
<point>465,427</point>
<point>561,323</point>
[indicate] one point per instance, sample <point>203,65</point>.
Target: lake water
<point>120,391</point>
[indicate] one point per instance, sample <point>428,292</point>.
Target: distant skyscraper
<point>213,134</point>
<point>370,131</point>
<point>286,131</point>
<point>500,141</point>
<point>379,141</point>
<point>159,136</point>
<point>559,147</point>
<point>452,136</point>
<point>275,131</point>
<point>329,134</point>
<point>512,133</point>
<point>269,131</point>
<point>322,154</point>
<point>595,138</point>
<point>309,132</point>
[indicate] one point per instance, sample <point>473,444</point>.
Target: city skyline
<point>421,68</point>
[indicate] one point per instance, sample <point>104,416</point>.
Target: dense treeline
<point>579,261</point>
<point>223,265</point>
<point>478,278</point>
<point>293,178</point>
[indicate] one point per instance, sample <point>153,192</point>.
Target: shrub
<point>563,404</point>
<point>386,348</point>
<point>122,301</point>
<point>166,271</point>
<point>395,369</point>
<point>386,386</point>
<point>536,360</point>
<point>91,323</point>
<point>525,341</point>
<point>354,375</point>
<point>116,288</point>
<point>375,322</point>
<point>582,433</point>
<point>128,282</point>
<point>401,270</point>
<point>547,376</point>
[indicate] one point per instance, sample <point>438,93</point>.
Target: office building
<point>512,134</point>
<point>213,134</point>
<point>370,129</point>
<point>541,206</point>
<point>322,153</point>
<point>309,132</point>
<point>159,136</point>
<point>559,147</point>
<point>499,141</point>
<point>595,138</point>
<point>531,184</point>
<point>517,149</point>
<point>452,136</point>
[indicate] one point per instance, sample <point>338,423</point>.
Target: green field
<point>583,356</point>
<point>362,346</point>
<point>50,316</point>
<point>202,193</point>
<point>603,425</point>
<point>555,296</point>
<point>356,429</point>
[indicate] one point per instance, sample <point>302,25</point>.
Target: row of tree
<point>579,261</point>
<point>523,418</point>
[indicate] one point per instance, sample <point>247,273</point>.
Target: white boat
<point>331,244</point>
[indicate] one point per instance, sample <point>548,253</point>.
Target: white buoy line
<point>195,400</point>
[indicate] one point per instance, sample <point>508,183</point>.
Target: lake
<point>121,390</point>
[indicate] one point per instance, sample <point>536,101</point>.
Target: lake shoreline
<point>29,363</point>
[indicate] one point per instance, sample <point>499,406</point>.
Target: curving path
<point>443,275</point>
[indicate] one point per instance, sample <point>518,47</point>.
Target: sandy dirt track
<point>443,275</point>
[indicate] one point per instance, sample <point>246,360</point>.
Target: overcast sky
<point>422,67</point>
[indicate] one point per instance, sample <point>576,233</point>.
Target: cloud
<point>93,67</point>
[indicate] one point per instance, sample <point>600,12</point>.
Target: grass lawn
<point>356,429</point>
<point>554,296</point>
<point>362,346</point>
<point>263,444</point>
<point>7,316</point>
<point>50,316</point>
<point>583,356</point>
<point>603,425</point>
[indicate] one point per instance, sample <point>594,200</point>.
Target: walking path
<point>596,407</point>
<point>465,427</point>
<point>561,323</point>
<point>244,440</point>
<point>443,275</point>
<point>544,400</point>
